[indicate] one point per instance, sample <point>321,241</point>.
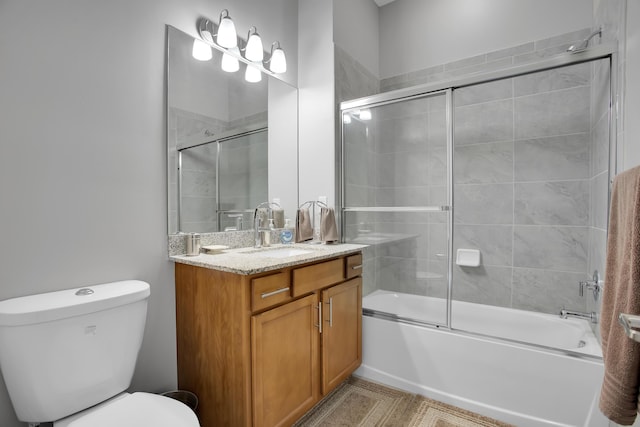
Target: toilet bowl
<point>129,410</point>
<point>68,357</point>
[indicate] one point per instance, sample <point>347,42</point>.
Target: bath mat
<point>430,413</point>
<point>361,403</point>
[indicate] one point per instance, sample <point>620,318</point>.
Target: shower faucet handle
<point>594,285</point>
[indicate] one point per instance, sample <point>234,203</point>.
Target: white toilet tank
<point>62,352</point>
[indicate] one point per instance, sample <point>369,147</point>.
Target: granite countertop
<point>247,261</point>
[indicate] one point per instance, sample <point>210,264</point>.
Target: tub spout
<point>593,317</point>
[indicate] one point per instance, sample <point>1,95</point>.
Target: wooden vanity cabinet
<point>261,350</point>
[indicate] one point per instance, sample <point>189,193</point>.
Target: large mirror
<point>232,144</point>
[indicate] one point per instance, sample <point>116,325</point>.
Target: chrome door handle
<point>330,312</point>
<point>319,325</point>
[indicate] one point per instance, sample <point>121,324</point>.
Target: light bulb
<point>230,64</point>
<point>227,36</point>
<point>346,119</point>
<point>278,61</point>
<point>254,51</point>
<point>252,74</point>
<point>365,114</point>
<point>201,51</point>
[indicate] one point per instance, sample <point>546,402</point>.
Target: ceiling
<point>381,3</point>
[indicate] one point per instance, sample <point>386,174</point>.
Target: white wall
<point>283,155</point>
<point>316,142</point>
<point>356,30</point>
<point>417,34</point>
<point>83,159</point>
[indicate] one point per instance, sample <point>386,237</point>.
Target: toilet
<point>68,357</point>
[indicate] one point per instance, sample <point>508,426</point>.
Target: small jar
<point>193,244</point>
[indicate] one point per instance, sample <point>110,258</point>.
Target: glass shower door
<point>395,198</point>
<point>530,176</point>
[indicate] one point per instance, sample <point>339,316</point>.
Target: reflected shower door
<point>197,189</point>
<point>242,178</point>
<point>395,198</point>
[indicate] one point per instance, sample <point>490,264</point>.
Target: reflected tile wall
<point>199,189</point>
<point>199,169</point>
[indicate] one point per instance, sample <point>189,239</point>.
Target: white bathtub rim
<point>592,347</point>
<point>501,414</point>
<point>476,335</point>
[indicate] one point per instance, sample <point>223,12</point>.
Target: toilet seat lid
<point>134,410</point>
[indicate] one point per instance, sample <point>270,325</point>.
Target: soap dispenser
<point>286,234</point>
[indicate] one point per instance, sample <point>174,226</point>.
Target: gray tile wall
<point>499,59</point>
<point>526,192</point>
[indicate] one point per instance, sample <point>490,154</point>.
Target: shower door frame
<point>604,51</point>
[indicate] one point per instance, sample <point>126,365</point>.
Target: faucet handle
<point>594,285</point>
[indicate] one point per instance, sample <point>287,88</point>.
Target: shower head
<point>585,43</point>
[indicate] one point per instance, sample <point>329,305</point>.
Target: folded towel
<point>328,227</point>
<point>304,229</point>
<point>619,394</point>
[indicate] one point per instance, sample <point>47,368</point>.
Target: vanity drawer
<point>317,276</point>
<point>270,290</point>
<point>353,266</point>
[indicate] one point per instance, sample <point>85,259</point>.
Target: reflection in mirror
<point>230,142</point>
<point>226,175</point>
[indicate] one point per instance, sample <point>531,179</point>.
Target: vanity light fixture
<point>227,36</point>
<point>253,51</point>
<point>252,74</point>
<point>230,63</point>
<point>277,61</point>
<point>201,51</point>
<point>226,40</point>
<point>205,29</point>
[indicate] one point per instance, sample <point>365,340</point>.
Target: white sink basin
<point>280,252</point>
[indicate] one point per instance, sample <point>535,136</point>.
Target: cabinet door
<point>341,332</point>
<point>285,362</point>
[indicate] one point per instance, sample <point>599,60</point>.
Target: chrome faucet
<point>594,285</point>
<point>262,232</point>
<point>238,218</point>
<point>593,317</point>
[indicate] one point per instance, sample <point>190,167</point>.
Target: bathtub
<point>511,381</point>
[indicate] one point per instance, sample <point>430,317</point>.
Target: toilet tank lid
<point>71,302</point>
